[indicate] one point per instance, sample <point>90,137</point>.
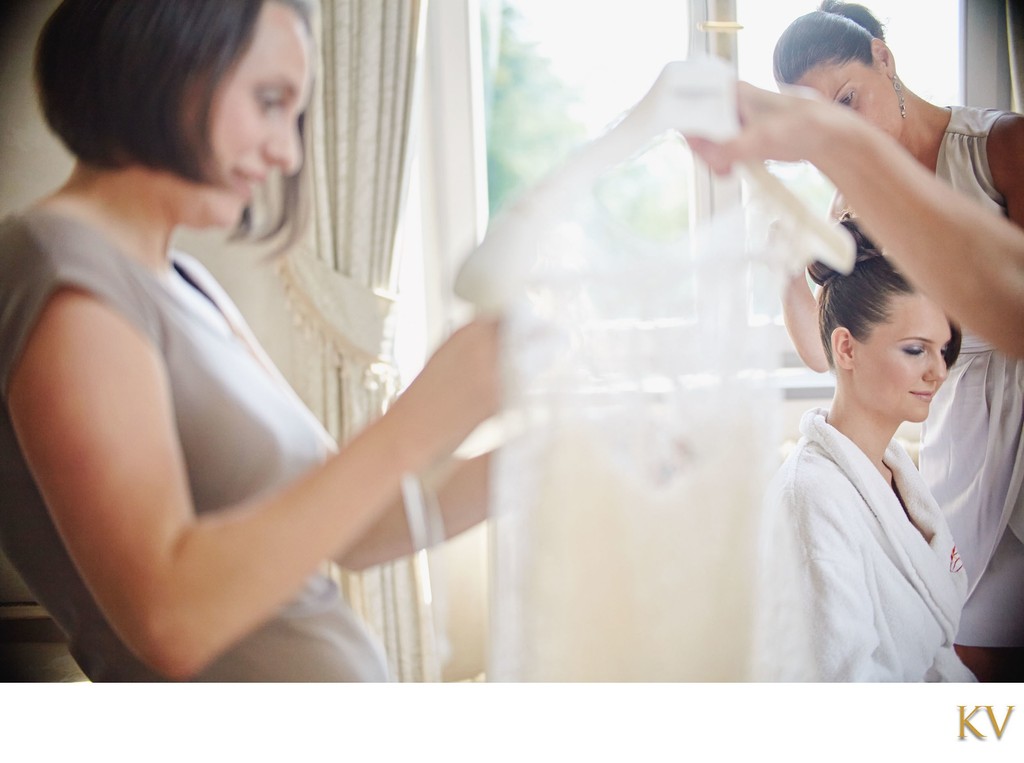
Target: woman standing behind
<point>878,577</point>
<point>972,455</point>
<point>165,495</point>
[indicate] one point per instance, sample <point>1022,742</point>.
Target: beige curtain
<point>341,280</point>
<point>1015,39</point>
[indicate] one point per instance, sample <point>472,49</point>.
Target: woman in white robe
<point>972,449</point>
<point>876,577</point>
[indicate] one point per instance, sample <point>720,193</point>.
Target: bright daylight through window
<point>557,74</point>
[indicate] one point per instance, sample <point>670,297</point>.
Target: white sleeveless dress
<point>972,455</point>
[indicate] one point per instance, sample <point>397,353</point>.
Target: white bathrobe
<point>880,597</point>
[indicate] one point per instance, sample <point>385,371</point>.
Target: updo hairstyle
<point>836,33</point>
<point>862,300</point>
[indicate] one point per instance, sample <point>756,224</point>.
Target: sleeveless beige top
<point>972,453</point>
<point>242,431</point>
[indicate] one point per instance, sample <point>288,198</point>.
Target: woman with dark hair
<point>972,455</point>
<point>165,495</point>
<point>877,575</point>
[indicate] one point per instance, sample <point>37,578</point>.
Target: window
<point>557,74</point>
<point>928,61</point>
<point>924,36</point>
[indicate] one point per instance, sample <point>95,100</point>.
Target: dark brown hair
<point>834,34</point>
<point>861,300</point>
<point>125,82</point>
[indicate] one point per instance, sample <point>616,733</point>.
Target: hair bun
<point>856,13</point>
<point>866,250</point>
<point>821,273</point>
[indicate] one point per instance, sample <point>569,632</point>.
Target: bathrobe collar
<point>912,547</point>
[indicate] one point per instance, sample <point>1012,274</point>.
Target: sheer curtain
<point>341,280</point>
<point>1015,40</point>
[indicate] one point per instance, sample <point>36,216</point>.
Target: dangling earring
<point>898,87</point>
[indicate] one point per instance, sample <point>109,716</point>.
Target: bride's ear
<point>842,348</point>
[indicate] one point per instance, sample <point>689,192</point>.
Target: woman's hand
<point>458,389</point>
<point>784,127</point>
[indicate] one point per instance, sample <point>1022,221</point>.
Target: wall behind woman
<point>34,163</point>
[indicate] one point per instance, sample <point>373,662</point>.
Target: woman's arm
<point>966,258</point>
<point>91,406</point>
<point>843,621</point>
<point>460,489</point>
<point>800,314</point>
<point>800,310</point>
<point>824,616</point>
<point>1005,147</point>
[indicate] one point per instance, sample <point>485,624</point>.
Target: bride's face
<point>896,371</point>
